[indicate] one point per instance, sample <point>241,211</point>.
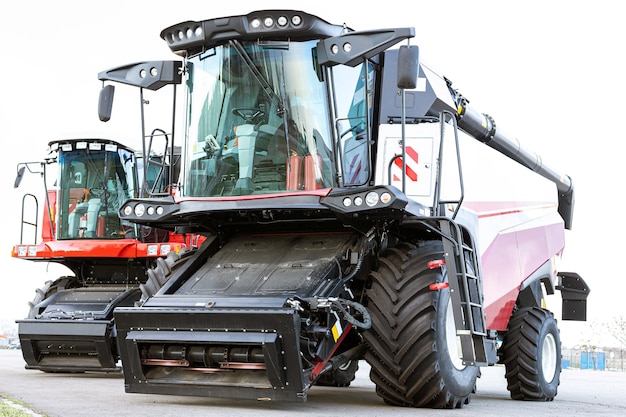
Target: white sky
<point>550,73</point>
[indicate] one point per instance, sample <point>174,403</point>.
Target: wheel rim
<point>451,339</point>
<point>345,366</point>
<point>548,357</point>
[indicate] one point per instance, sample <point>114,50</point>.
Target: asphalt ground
<point>581,393</point>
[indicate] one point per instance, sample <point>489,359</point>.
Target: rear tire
<point>532,355</point>
<point>409,346</point>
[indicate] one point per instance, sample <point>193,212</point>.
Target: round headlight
<point>150,210</point>
<point>347,202</point>
<point>140,209</point>
<point>159,210</point>
<point>371,199</point>
<point>358,200</point>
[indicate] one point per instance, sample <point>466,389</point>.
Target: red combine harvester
<point>323,167</point>
<point>70,326</point>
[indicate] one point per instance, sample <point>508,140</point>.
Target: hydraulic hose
<point>341,305</point>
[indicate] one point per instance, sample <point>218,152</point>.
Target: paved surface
<point>581,393</point>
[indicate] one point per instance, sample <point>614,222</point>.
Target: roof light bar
<point>191,37</point>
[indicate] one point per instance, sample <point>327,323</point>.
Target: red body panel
<point>320,192</point>
<point>91,248</point>
<point>48,227</point>
<point>521,237</point>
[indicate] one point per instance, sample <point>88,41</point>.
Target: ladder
<point>466,296</point>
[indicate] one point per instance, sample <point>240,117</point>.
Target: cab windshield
<point>257,122</point>
<point>93,184</point>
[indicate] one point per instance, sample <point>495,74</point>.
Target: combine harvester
<point>70,325</point>
<point>323,166</point>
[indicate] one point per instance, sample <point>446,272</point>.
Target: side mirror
<point>105,102</point>
<point>408,64</point>
<point>20,175</point>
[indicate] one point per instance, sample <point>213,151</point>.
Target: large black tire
<point>411,345</point>
<point>48,290</point>
<point>340,377</point>
<point>532,355</point>
<point>162,272</point>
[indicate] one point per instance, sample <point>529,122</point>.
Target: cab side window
<point>352,122</point>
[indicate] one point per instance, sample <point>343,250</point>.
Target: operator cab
<point>94,179</point>
<point>274,108</point>
<point>262,124</point>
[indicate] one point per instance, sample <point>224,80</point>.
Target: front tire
<point>532,355</point>
<point>412,357</point>
<point>340,377</point>
<point>162,272</point>
<point>50,288</point>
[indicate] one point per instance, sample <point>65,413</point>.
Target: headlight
<point>380,200</point>
<point>140,209</point>
<point>371,199</point>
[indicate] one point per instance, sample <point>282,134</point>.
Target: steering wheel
<point>96,191</point>
<point>248,113</point>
